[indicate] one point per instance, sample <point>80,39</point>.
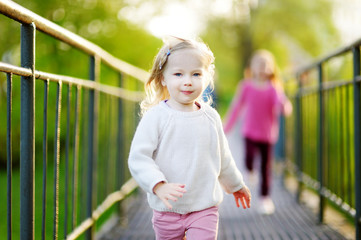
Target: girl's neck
<point>260,82</point>
<point>184,108</point>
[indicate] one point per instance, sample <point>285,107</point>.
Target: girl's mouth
<point>187,92</point>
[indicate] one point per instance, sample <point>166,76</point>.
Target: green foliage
<point>307,23</point>
<point>96,21</point>
<point>290,29</point>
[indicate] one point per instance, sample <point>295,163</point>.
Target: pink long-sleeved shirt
<point>261,107</point>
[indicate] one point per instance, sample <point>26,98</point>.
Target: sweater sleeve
<point>235,109</point>
<point>230,177</point>
<point>284,103</point>
<point>141,163</point>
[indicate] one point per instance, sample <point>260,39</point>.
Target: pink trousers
<point>201,225</point>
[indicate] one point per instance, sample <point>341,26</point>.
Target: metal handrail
<point>336,53</point>
<point>316,110</point>
<point>112,198</point>
<point>134,96</point>
<point>30,23</point>
<point>23,15</point>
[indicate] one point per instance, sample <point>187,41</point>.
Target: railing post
<point>75,158</point>
<point>57,161</point>
<point>27,132</point>
<point>45,156</point>
<point>282,138</point>
<point>357,133</point>
<point>9,153</point>
<point>67,143</point>
<point>93,144</point>
<point>120,178</point>
<point>137,106</point>
<point>298,135</point>
<point>320,171</point>
<point>120,140</point>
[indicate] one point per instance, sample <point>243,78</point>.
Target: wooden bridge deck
<point>290,221</point>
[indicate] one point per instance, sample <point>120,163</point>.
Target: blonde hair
<point>265,54</point>
<point>155,91</point>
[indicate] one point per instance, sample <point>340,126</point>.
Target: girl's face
<point>262,67</point>
<point>185,78</point>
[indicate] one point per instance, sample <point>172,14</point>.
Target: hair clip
<point>166,58</point>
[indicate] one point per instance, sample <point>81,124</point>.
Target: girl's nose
<point>187,81</point>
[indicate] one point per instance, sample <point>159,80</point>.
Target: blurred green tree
<point>97,21</point>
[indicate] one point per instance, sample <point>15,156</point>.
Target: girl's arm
<point>234,110</point>
<point>285,103</point>
<point>229,177</point>
<point>287,107</point>
<point>141,163</point>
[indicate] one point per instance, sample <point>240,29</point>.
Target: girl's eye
<point>197,74</point>
<point>178,74</point>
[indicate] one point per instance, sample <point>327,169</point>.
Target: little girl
<point>179,154</point>
<point>261,99</point>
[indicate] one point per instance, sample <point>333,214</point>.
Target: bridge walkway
<point>290,220</point>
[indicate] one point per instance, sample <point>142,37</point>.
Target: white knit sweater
<point>184,147</point>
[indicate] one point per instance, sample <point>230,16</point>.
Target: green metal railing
<point>323,137</point>
<point>92,152</point>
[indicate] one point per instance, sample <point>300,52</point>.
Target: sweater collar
<point>199,112</point>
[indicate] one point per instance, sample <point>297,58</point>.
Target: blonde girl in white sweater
<point>179,154</point>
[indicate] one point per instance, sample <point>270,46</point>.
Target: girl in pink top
<point>261,100</point>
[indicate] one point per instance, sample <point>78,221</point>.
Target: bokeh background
<point>295,31</point>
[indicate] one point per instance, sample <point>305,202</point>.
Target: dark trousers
<point>265,150</point>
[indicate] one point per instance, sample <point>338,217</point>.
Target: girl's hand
<point>287,108</point>
<point>169,191</point>
<point>244,196</point>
